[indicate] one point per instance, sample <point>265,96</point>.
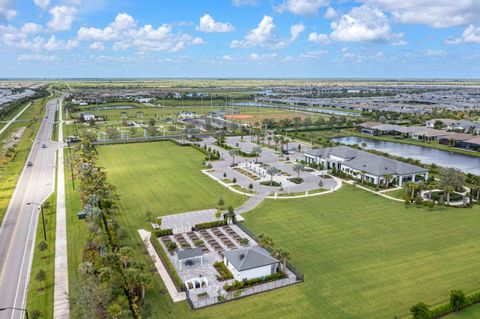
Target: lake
<point>465,163</point>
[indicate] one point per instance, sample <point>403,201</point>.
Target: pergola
<point>188,255</point>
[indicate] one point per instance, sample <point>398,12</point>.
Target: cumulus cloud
<point>20,39</point>
<point>239,3</point>
<point>62,18</point>
<point>365,24</point>
<point>295,31</point>
<point>471,34</point>
<point>37,58</point>
<point>31,28</point>
<point>208,24</point>
<point>97,46</point>
<point>42,4</point>
<point>319,38</point>
<point>330,13</point>
<point>436,13</point>
<point>302,7</point>
<point>263,36</point>
<point>124,33</point>
<point>6,11</point>
<point>435,53</point>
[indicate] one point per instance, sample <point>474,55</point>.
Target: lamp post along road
<point>43,219</point>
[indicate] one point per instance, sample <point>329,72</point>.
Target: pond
<point>427,155</point>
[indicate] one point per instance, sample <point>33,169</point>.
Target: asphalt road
<point>18,229</point>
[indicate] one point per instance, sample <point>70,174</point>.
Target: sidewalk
<point>60,299</point>
<point>172,290</point>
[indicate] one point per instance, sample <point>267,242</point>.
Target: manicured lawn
<point>40,295</point>
<point>472,312</point>
<point>162,177</point>
<point>363,256</point>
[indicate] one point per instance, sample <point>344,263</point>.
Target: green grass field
<point>38,298</point>
<point>363,256</point>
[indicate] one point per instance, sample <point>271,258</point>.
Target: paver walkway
<point>172,290</point>
<point>60,298</point>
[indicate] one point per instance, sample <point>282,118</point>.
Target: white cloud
<point>208,24</point>
<point>239,3</point>
<point>262,57</point>
<point>198,41</point>
<point>436,13</point>
<point>313,54</point>
<point>124,33</point>
<point>37,58</point>
<point>330,13</point>
<point>6,11</point>
<point>42,4</point>
<point>295,31</point>
<point>20,39</point>
<point>302,7</point>
<point>227,57</point>
<point>97,46</point>
<point>262,36</point>
<point>31,28</point>
<point>365,24</point>
<point>319,38</point>
<point>435,53</point>
<point>471,34</point>
<point>62,18</point>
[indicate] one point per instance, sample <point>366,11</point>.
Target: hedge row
<point>163,232</point>
<point>217,223</point>
<point>168,265</point>
<point>448,308</point>
<point>253,282</point>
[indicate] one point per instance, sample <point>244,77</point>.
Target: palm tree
<point>257,150</point>
<point>272,171</point>
<point>269,139</point>
<point>282,256</point>
<point>233,152</point>
<point>125,254</point>
<point>265,241</point>
<point>430,188</point>
<point>363,175</point>
<point>388,178</point>
<point>298,167</point>
<point>448,190</point>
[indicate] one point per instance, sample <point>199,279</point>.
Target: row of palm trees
<point>267,242</point>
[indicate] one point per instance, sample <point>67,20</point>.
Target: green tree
<point>448,190</point>
<point>257,150</point>
<point>282,255</point>
<point>126,254</point>
<point>420,311</point>
<point>43,245</point>
<point>272,171</point>
<point>457,299</point>
<point>234,152</point>
<point>221,202</point>
<point>41,276</point>
<point>265,241</point>
<point>298,168</point>
<point>452,177</point>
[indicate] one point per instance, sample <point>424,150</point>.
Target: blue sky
<point>240,38</point>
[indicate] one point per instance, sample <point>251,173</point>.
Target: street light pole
<point>14,308</point>
<point>43,219</point>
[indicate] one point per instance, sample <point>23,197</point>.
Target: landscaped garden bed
<point>236,285</point>
<point>224,273</point>
<point>271,183</point>
<point>296,180</point>
<point>454,197</point>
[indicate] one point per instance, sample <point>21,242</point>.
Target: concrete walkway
<point>172,290</point>
<point>60,299</point>
<point>374,192</point>
<point>3,129</point>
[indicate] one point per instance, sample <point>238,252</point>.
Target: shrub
<point>163,232</point>
<point>168,265</point>
<point>273,184</point>
<point>244,241</point>
<point>296,180</point>
<point>234,180</point>
<point>255,281</point>
<point>171,246</point>
<point>42,245</point>
<point>210,224</point>
<point>457,300</point>
<point>223,271</point>
<point>198,243</point>
<point>36,314</point>
<point>420,311</point>
<point>250,186</point>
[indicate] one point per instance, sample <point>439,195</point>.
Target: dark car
<point>29,163</point>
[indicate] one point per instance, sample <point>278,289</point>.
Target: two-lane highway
<point>18,229</point>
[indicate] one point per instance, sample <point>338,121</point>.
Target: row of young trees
<point>112,283</point>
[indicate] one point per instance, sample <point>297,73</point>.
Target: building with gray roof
<point>373,168</point>
<point>251,262</point>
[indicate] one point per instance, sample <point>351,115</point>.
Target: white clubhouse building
<point>374,168</point>
<point>249,263</point>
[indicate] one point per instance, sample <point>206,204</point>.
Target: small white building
<point>249,263</point>
<point>88,116</point>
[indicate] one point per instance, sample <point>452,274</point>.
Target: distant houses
<point>366,166</point>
